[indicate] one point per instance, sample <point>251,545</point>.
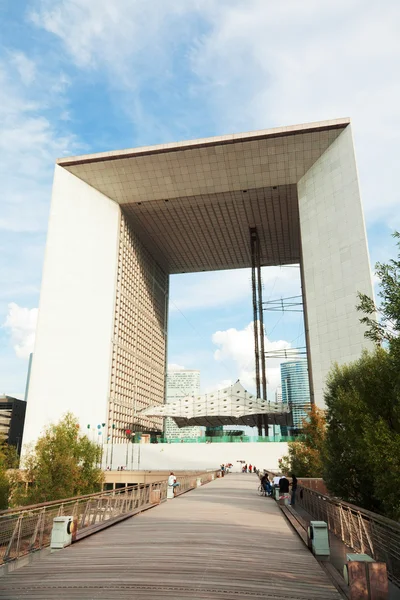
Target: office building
<point>12,420</point>
<point>296,391</point>
<point>122,222</point>
<point>181,384</point>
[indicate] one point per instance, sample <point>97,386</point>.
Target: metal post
<point>261,320</point>
<point>253,244</point>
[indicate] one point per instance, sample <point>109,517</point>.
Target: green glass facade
<point>296,390</point>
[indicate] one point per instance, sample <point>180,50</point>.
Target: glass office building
<point>296,390</point>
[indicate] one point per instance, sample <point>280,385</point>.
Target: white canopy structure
<point>230,406</point>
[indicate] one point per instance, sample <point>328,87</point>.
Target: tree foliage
<point>362,449</point>
<point>4,482</point>
<point>63,463</point>
<point>305,456</point>
<point>385,328</point>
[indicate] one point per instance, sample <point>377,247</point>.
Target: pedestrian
<point>250,468</point>
<point>276,480</point>
<point>284,490</point>
<point>255,470</point>
<point>172,481</point>
<point>245,468</point>
<point>265,482</point>
<point>294,489</point>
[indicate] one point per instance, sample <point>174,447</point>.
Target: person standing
<point>250,468</point>
<point>283,486</point>
<point>294,489</point>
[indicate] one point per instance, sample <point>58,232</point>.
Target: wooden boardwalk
<point>219,541</point>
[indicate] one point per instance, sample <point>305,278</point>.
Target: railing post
<point>15,534</point>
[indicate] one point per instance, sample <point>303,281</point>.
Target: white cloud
<point>253,64</point>
<point>99,33</point>
<point>268,64</point>
<point>237,346</point>
<point>29,144</point>
<point>25,66</point>
<point>21,326</point>
<point>219,288</point>
<point>224,383</point>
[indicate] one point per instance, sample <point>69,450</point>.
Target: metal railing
<point>361,530</point>
<point>225,439</point>
<point>28,529</point>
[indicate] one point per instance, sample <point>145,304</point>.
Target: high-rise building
<point>12,420</point>
<point>296,390</point>
<point>122,222</point>
<point>180,384</point>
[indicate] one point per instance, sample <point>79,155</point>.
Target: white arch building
<point>122,222</point>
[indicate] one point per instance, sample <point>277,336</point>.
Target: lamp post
<point>112,444</point>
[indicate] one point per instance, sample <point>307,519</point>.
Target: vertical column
<point>335,262</point>
<point>71,360</point>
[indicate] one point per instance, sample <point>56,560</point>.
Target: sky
<point>83,76</point>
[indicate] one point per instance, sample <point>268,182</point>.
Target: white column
<point>335,259</point>
<point>71,360</point>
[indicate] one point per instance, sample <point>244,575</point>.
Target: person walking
<point>294,489</point>
<point>250,468</point>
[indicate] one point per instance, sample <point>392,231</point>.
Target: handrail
<point>28,529</point>
<point>9,511</point>
<point>334,500</point>
<point>360,529</point>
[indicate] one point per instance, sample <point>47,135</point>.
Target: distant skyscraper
<point>179,385</point>
<point>296,390</point>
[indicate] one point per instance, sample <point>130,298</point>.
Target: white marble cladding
<point>335,259</point>
<point>71,360</point>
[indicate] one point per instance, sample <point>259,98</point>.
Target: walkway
<point>219,541</point>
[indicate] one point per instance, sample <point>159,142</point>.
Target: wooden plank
<point>219,541</point>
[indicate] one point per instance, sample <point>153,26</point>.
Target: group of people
<point>226,468</point>
<point>249,469</point>
<point>283,483</point>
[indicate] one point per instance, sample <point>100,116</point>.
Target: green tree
<point>387,327</point>
<point>362,449</point>
<point>4,482</point>
<point>305,456</point>
<point>362,445</point>
<point>63,463</point>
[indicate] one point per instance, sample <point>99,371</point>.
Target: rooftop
<point>192,203</point>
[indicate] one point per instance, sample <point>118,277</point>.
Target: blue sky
<point>80,76</point>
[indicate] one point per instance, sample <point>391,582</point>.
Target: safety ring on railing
<point>71,527</point>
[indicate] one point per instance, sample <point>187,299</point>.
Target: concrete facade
<point>195,456</point>
<point>182,383</point>
<point>335,261</point>
<point>121,222</point>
